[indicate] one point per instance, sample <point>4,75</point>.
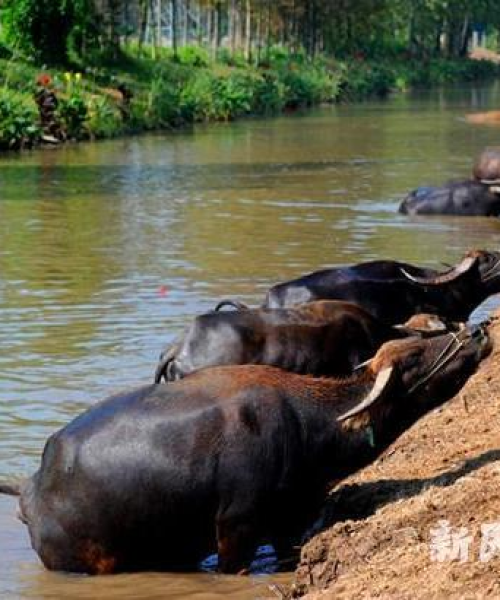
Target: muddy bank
<point>386,539</point>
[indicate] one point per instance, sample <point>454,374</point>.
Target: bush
<point>193,56</point>
<point>163,103</point>
<point>222,97</point>
<point>233,95</point>
<point>104,120</point>
<point>269,94</point>
<point>72,113</point>
<point>18,123</point>
<point>365,79</point>
<point>196,97</point>
<point>309,84</point>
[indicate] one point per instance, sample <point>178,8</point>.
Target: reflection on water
<point>107,249</point>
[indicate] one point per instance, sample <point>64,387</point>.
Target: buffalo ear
<point>382,383</point>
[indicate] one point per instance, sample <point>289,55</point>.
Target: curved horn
<point>377,390</point>
<point>463,266</point>
<point>161,369</point>
<point>165,359</point>
<point>233,303</point>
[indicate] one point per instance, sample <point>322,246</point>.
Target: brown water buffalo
<point>159,477</point>
<point>326,337</point>
<point>393,291</point>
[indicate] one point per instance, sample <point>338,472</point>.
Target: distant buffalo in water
<point>479,196</point>
<point>465,198</point>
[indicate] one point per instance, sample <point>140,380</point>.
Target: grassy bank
<point>139,94</point>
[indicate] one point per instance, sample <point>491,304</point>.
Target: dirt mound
<point>420,522</point>
<point>485,54</point>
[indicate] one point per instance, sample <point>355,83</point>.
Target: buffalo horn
<point>231,303</point>
<point>462,267</point>
<point>377,390</point>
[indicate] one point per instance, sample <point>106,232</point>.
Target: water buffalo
<point>466,198</point>
<point>393,291</point>
<point>159,477</point>
<point>326,337</point>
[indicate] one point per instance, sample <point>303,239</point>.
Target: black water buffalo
<point>393,291</point>
<point>159,477</point>
<point>465,198</point>
<point>326,337</point>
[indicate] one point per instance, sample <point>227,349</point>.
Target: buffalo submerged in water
<point>479,196</point>
<point>230,457</point>
<point>465,198</point>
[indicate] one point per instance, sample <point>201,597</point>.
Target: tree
<point>42,28</point>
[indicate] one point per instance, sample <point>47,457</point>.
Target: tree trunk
<point>143,23</point>
<point>248,30</point>
<point>231,23</point>
<point>185,33</point>
<point>215,29</point>
<point>158,22</point>
<point>174,27</point>
<point>258,36</point>
<point>268,30</point>
<point>465,36</point>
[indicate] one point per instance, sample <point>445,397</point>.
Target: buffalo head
<point>413,376</point>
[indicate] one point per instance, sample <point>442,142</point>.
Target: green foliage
<point>42,29</point>
<point>270,94</point>
<point>73,114</point>
<point>365,79</point>
<point>18,123</point>
<point>220,97</point>
<point>193,56</point>
<point>164,95</point>
<point>309,84</point>
<point>104,119</point>
<point>72,109</point>
<point>233,95</point>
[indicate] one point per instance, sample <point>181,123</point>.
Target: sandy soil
<point>446,467</point>
<point>485,54</point>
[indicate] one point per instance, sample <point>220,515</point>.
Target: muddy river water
<point>107,249</point>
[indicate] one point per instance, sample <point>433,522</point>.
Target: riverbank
<point>389,536</point>
<point>138,93</point>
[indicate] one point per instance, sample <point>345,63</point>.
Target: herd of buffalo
<point>261,409</point>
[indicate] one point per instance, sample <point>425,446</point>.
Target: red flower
<point>44,79</point>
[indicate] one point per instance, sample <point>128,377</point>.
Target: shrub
<point>233,95</point>
<point>196,97</point>
<point>193,56</point>
<point>309,84</point>
<point>269,94</point>
<point>18,123</point>
<point>104,120</point>
<point>365,79</point>
<point>163,103</point>
<point>73,114</point>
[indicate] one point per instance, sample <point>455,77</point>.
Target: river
<point>107,249</point>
